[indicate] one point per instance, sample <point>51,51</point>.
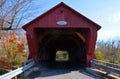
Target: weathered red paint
<point>61,12</point>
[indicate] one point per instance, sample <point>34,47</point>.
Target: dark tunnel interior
<point>61,40</point>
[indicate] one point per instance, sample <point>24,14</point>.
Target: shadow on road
<point>53,73</point>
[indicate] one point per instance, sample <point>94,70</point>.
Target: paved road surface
<point>61,74</point>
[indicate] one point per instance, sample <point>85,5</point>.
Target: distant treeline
<point>108,50</point>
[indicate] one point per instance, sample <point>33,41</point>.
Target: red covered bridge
<point>62,29</point>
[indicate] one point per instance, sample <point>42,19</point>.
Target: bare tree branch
<point>110,49</point>
<point>12,12</point>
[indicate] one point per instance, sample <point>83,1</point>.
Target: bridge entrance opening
<point>61,48</point>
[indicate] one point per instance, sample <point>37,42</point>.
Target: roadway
<point>62,74</point>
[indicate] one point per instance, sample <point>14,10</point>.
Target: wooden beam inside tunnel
<point>80,36</point>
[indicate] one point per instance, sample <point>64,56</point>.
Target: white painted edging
<point>108,67</point>
<point>17,71</point>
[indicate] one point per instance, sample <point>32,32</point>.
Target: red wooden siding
<point>62,12</point>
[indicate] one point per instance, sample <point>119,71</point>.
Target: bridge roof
<point>62,16</point>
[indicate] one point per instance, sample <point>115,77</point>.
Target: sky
<point>106,13</point>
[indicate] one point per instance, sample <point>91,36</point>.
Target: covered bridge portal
<point>59,30</point>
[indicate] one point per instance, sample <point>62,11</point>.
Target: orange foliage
<point>13,43</point>
<point>12,46</point>
<point>4,63</point>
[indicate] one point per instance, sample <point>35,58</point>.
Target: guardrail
<point>108,67</point>
<point>26,66</point>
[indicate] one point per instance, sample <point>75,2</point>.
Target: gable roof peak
<point>58,5</point>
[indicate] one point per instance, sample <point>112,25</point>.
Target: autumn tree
<point>12,50</point>
<point>99,55</point>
